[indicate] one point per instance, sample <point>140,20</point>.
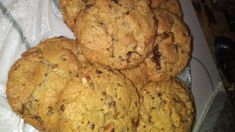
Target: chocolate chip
<point>115,1</point>
<point>54,66</point>
<point>176,47</point>
<point>89,6</point>
<point>62,108</point>
<point>129,56</point>
<point>101,23</point>
<point>119,84</point>
<point>22,109</point>
<point>91,125</point>
<point>147,92</point>
<point>104,93</point>
<point>111,104</point>
<point>37,117</point>
<point>159,94</point>
<point>50,110</point>
<point>176,100</point>
<point>98,71</point>
<point>153,108</point>
<point>113,130</point>
<point>184,120</point>
<point>88,77</point>
<point>16,67</point>
<point>134,122</point>
<point>165,35</point>
<point>150,119</point>
<point>156,57</point>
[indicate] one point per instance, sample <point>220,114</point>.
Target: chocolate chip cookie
<point>36,80</point>
<point>119,34</point>
<point>100,99</point>
<point>165,107</point>
<point>172,47</point>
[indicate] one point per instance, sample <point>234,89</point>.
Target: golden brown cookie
<point>118,34</point>
<point>171,5</point>
<point>100,99</point>
<point>173,48</point>
<point>36,80</point>
<point>165,107</point>
<point>71,8</point>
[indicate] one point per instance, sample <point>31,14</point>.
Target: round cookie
<point>119,34</point>
<point>165,107</point>
<point>172,49</point>
<point>99,100</point>
<point>36,80</point>
<point>171,5</point>
<point>71,8</point>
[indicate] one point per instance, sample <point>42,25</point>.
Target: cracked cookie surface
<point>165,107</point>
<point>118,34</point>
<point>36,80</point>
<point>102,100</point>
<point>172,49</point>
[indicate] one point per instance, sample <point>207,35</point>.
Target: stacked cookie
<point>118,75</point>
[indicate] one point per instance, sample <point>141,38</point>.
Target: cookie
<point>36,80</point>
<point>172,48</point>
<point>119,34</point>
<point>171,5</point>
<point>165,107</point>
<point>71,8</point>
<point>100,99</point>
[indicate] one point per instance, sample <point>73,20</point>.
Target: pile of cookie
<point>118,75</point>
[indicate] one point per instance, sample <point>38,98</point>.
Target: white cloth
<point>38,19</point>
